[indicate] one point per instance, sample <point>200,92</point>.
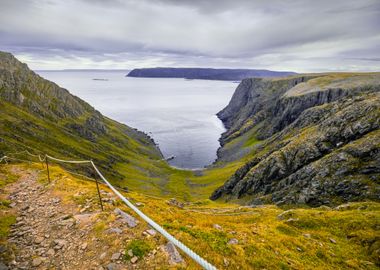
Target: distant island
<point>205,73</point>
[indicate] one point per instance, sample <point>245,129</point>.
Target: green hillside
<point>40,116</point>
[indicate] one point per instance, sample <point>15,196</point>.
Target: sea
<point>179,114</point>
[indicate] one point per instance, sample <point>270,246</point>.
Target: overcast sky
<point>299,35</point>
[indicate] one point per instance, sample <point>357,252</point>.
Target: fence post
<point>42,161</point>
<point>47,168</point>
<point>100,197</point>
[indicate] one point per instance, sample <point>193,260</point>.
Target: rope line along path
<point>202,262</point>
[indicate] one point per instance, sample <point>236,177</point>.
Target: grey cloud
<point>241,33</point>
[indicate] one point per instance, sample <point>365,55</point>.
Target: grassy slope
<point>304,238</point>
<point>36,114</point>
<point>145,173</point>
<point>335,80</point>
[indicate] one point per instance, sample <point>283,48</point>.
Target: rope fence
<point>198,259</point>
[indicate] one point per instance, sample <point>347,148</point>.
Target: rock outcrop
<point>320,139</point>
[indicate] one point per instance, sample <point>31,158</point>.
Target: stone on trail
<point>37,262</point>
<point>39,240</point>
<point>134,259</point>
<point>50,252</point>
<point>151,232</point>
<point>103,256</point>
<point>115,256</point>
<point>111,266</point>
<point>84,246</point>
<point>174,256</point>
<point>114,230</point>
<point>131,221</point>
<point>130,253</point>
<point>3,266</point>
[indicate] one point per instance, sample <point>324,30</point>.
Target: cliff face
<point>319,139</point>
<point>38,115</point>
<point>205,73</point>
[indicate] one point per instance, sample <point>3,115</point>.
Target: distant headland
<point>205,73</point>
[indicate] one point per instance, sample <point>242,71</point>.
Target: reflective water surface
<point>179,114</point>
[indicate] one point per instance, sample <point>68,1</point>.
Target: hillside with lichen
<point>309,139</point>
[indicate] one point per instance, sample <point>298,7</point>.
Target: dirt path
<point>51,233</point>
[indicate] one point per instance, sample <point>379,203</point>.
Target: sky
<point>298,35</point>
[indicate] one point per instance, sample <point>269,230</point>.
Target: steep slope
<point>311,139</point>
<point>205,73</point>
<point>51,226</point>
<point>38,115</point>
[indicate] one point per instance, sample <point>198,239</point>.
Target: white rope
<point>4,158</point>
<point>180,245</point>
<point>30,154</point>
<point>39,156</point>
<point>69,161</point>
<point>23,160</point>
<point>202,262</point>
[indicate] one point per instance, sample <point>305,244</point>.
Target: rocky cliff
<point>318,139</point>
<point>206,73</point>
<point>38,115</point>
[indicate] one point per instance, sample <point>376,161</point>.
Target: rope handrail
<point>30,154</point>
<point>69,161</point>
<point>39,156</point>
<point>19,159</point>
<point>3,158</point>
<point>202,262</point>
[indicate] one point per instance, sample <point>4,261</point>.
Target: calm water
<point>179,114</point>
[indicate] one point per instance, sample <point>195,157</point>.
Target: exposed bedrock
<point>321,147</point>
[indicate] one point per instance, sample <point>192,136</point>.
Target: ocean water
<point>179,114</point>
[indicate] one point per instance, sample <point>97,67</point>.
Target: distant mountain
<point>206,73</point>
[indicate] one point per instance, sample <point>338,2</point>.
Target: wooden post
<point>47,168</point>
<point>42,161</point>
<point>100,198</point>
